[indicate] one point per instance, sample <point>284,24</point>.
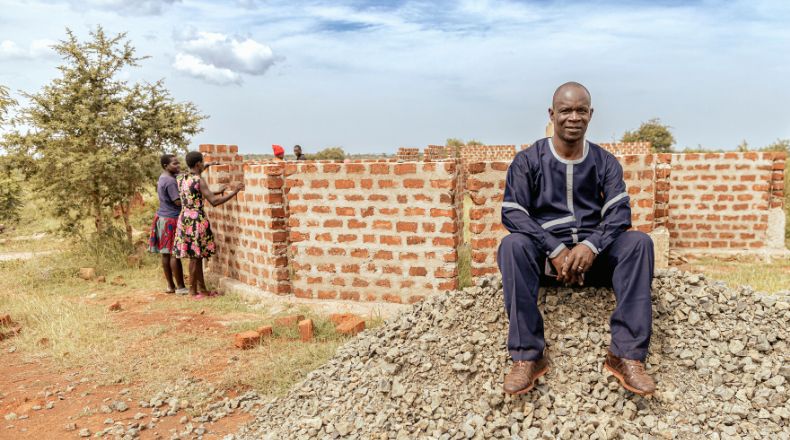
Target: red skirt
<point>163,234</point>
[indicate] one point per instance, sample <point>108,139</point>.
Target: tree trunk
<point>125,211</point>
<point>99,218</point>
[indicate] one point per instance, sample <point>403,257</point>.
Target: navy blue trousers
<point>626,266</point>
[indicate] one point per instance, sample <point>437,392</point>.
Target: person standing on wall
<point>567,209</point>
<point>298,153</point>
<point>279,153</point>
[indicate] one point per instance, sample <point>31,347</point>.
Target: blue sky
<point>375,75</point>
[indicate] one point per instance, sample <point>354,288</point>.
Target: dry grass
<point>65,321</point>
<point>762,276</point>
<point>277,364</point>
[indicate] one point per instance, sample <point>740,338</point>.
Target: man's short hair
<point>165,159</point>
<point>193,158</point>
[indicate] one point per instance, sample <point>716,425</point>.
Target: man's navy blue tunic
<point>550,204</point>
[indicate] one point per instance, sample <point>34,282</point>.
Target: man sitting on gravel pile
<point>567,209</point>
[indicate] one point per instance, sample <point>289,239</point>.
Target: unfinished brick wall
<point>250,230</point>
<point>408,154</point>
<point>480,153</point>
<point>372,231</point>
<point>624,148</point>
<point>439,152</point>
<point>387,230</point>
<point>486,184</point>
<point>721,201</point>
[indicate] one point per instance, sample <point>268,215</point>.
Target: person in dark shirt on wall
<point>298,153</point>
<point>567,209</point>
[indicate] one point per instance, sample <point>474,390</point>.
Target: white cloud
<point>124,7</point>
<point>222,59</point>
<point>36,50</point>
<point>194,66</point>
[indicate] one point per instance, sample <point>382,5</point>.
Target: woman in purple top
<point>163,230</point>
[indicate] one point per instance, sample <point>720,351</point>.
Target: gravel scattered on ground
<point>719,356</point>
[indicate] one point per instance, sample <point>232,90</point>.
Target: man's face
<point>298,151</point>
<point>173,167</point>
<point>571,113</point>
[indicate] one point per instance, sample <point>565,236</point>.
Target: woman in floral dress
<point>194,239</point>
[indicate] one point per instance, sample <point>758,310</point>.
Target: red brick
<point>343,238</point>
<point>349,268</point>
<point>247,340</point>
<point>338,281</point>
<point>351,326</point>
<point>288,321</point>
<point>314,251</point>
<point>355,168</point>
<point>406,227</point>
<point>333,223</point>
<point>344,211</point>
<point>417,271</point>
<point>475,167</point>
<point>392,298</point>
<point>356,224</point>
<point>344,184</point>
<point>339,318</point>
<point>405,168</point>
<point>359,282</point>
<point>382,255</point>
<point>390,239</point>
<point>306,330</point>
<point>346,295</point>
<point>413,183</point>
<point>436,212</point>
<point>265,331</point>
<point>445,273</point>
<point>327,294</point>
<point>359,253</point>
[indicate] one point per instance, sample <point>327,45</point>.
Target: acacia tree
<point>10,191</point>
<point>652,131</point>
<point>5,103</point>
<point>88,140</point>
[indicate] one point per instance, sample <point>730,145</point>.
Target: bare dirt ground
<point>27,386</point>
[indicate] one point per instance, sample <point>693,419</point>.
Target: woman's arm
<point>217,200</point>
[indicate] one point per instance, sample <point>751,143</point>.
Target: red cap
<point>278,150</point>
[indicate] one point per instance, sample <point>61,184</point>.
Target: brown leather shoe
<point>523,375</point>
<point>631,374</point>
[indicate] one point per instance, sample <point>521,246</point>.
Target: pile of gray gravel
<point>719,357</point>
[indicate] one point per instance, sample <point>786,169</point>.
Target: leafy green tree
<point>474,142</point>
<point>10,191</point>
<point>331,153</point>
<point>454,142</point>
<point>89,141</point>
<point>6,102</point>
<point>742,147</point>
<point>652,131</point>
<point>778,145</point>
